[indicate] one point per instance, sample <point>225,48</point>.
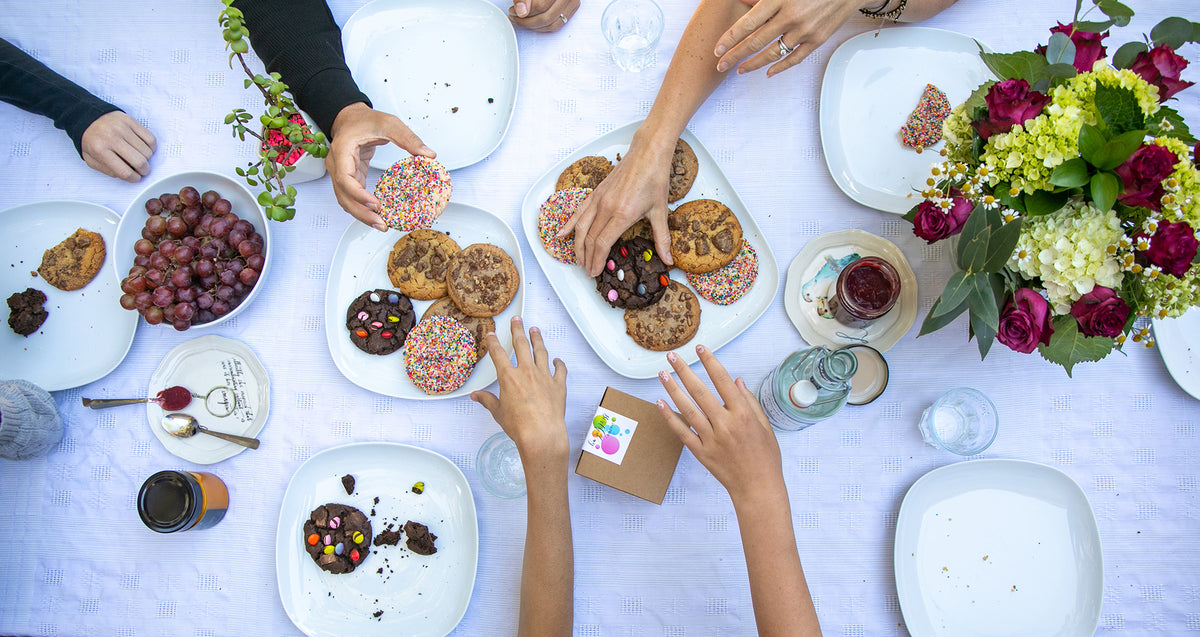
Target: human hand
<point>357,130</point>
<point>636,188</point>
<point>734,440</point>
<point>803,24</point>
<point>532,401</point>
<point>543,16</point>
<point>116,145</point>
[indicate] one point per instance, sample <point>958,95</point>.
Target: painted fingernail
<point>671,356</point>
<point>720,50</point>
<point>664,376</point>
<point>661,404</point>
<point>699,349</point>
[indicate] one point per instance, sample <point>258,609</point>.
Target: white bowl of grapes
<point>192,250</point>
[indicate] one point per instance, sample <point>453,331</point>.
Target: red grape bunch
<point>196,260</point>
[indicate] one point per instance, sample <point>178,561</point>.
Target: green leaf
<point>240,171</point>
<point>1195,32</point>
<point>1001,192</point>
<point>239,46</point>
<point>1060,71</point>
<point>1128,52</point>
<point>1041,202</point>
<point>934,323</point>
<point>291,191</point>
<point>1169,123</point>
<point>1117,150</point>
<point>978,98</point>
<point>1068,347</point>
<point>1090,141</point>
<point>1119,109</point>
<point>1000,248</point>
<point>1092,27</point>
<point>1173,32</point>
<point>1072,173</point>
<point>1105,187</point>
<point>1025,65</point>
<point>1119,13</point>
<point>1059,48</point>
<point>264,199</point>
<point>956,291</point>
<point>911,214</point>
<point>973,241</point>
<point>983,333</point>
<point>982,302</point>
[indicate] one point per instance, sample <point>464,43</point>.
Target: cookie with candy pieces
<point>633,276</point>
<point>379,321</point>
<point>337,537</point>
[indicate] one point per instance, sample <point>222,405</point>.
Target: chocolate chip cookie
<point>667,324</point>
<point>584,173</point>
<point>337,537</point>
<point>684,167</point>
<point>418,262</point>
<point>379,321</point>
<point>478,325</point>
<point>705,235</point>
<point>25,311</point>
<point>482,280</point>
<point>633,276</point>
<point>74,262</point>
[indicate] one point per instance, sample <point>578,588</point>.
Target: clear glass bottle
<point>808,386</point>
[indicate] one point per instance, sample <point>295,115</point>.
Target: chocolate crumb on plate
<point>348,483</point>
<point>420,540</point>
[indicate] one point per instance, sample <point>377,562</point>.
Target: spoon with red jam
<point>170,399</point>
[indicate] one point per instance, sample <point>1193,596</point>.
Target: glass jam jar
<point>173,501</point>
<point>866,290</point>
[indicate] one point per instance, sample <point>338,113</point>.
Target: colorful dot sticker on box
<point>609,435</point>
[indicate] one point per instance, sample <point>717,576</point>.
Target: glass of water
<point>632,28</point>
<point>499,467</point>
<point>962,421</point>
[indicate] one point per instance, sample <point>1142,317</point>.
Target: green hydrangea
<point>958,133</point>
<point>1068,251</point>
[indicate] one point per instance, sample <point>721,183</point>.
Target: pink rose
<point>934,223</point>
<point>1009,103</point>
<point>1025,321</point>
<point>1143,174</point>
<point>1173,247</point>
<point>1161,66</point>
<point>1088,48</point>
<point>1101,312</point>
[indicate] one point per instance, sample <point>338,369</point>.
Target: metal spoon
<point>171,398</point>
<point>184,426</point>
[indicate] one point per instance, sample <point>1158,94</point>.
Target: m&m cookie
<point>337,537</point>
<point>412,193</point>
<point>730,283</point>
<point>440,355</point>
<point>553,215</point>
<point>633,276</point>
<point>379,321</point>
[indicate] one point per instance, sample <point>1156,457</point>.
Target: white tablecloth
<point>79,562</point>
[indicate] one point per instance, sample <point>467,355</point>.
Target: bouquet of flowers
<point>1073,191</point>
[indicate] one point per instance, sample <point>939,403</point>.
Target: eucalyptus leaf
<point>1059,48</point>
<point>1093,27</point>
<point>1068,347</point>
<point>1060,71</point>
<point>973,241</point>
<point>1001,246</point>
<point>1072,173</point>
<point>934,323</point>
<point>1105,187</point>
<point>956,291</point>
<point>1173,32</point>
<point>982,302</point>
<point>984,334</point>
<point>1119,13</point>
<point>1128,52</point>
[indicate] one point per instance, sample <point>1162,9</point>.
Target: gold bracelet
<point>893,15</point>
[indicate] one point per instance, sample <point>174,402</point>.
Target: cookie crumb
<point>454,109</point>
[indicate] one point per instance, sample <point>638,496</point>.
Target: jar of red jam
<point>173,501</point>
<point>866,290</point>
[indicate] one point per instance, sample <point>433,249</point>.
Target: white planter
<point>307,168</point>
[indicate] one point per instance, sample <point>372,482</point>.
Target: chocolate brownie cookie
<point>25,311</point>
<point>74,262</point>
<point>379,321</point>
<point>667,324</point>
<point>633,276</point>
<point>640,229</point>
<point>482,280</point>
<point>417,264</point>
<point>478,325</point>
<point>705,235</point>
<point>337,537</point>
<point>683,171</point>
<point>585,173</point>
<point>420,540</point>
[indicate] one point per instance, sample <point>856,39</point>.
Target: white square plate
<point>995,547</point>
<point>604,326</point>
<point>1178,341</point>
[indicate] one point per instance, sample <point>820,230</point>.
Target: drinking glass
<point>962,421</point>
<point>632,28</point>
<point>499,467</point>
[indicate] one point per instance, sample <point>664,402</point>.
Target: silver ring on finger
<point>784,50</point>
<point>563,18</point>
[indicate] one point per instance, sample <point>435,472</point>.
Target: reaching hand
<point>733,440</point>
<point>543,16</point>
<point>357,130</point>
<point>636,188</point>
<point>532,401</point>
<point>116,145</point>
<point>803,24</point>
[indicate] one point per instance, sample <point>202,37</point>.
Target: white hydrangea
<point>1068,251</point>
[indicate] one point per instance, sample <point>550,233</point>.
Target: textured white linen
<point>79,562</point>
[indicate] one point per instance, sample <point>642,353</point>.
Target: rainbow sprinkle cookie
<point>730,283</point>
<point>412,193</point>
<point>439,355</point>
<point>924,126</point>
<point>553,215</point>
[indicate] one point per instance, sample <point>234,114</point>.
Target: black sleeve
<point>299,40</point>
<point>32,86</point>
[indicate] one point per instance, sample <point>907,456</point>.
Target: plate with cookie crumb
<point>395,325</point>
<point>65,325</point>
<point>883,98</point>
<point>377,539</point>
<point>638,308</point>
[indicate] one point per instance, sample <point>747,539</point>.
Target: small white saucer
<point>810,281</point>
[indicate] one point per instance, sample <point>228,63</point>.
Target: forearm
<point>782,603</point>
<point>547,575</point>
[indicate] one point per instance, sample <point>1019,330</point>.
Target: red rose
<point>1010,103</point>
<point>1088,48</point>
<point>1161,66</point>
<point>1025,321</point>
<point>934,223</point>
<point>1173,247</point>
<point>1101,313</point>
<point>1142,175</point>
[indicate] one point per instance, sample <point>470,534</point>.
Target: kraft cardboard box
<point>630,447</point>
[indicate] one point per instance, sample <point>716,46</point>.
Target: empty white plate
<point>1178,341</point>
